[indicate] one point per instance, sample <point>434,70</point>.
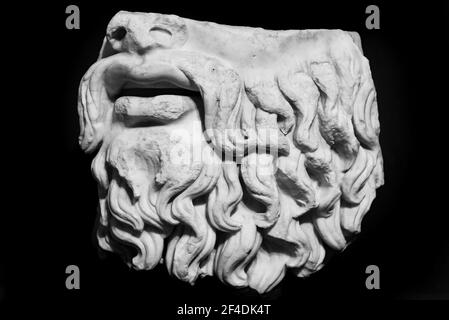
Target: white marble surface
<point>257,153</point>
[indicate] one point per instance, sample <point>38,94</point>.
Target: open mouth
<point>157,90</point>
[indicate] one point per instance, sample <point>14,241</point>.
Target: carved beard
<point>304,161</point>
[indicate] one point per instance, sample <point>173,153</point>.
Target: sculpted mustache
<point>104,81</point>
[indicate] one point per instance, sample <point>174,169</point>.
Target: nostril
<point>118,34</point>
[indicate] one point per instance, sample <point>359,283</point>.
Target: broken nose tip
<point>117,27</point>
<point>117,34</point>
<point>128,31</point>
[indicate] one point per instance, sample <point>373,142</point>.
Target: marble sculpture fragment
<point>237,152</point>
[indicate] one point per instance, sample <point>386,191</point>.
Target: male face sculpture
<point>230,151</point>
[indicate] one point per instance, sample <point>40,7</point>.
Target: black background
<point>405,233</point>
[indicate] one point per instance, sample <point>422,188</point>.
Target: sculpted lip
<point>155,110</point>
<point>142,76</point>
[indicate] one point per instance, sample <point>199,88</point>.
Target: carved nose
<point>129,32</point>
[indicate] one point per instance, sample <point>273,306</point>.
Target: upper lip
<point>141,77</point>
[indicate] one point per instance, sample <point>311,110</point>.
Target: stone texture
<point>229,151</point>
